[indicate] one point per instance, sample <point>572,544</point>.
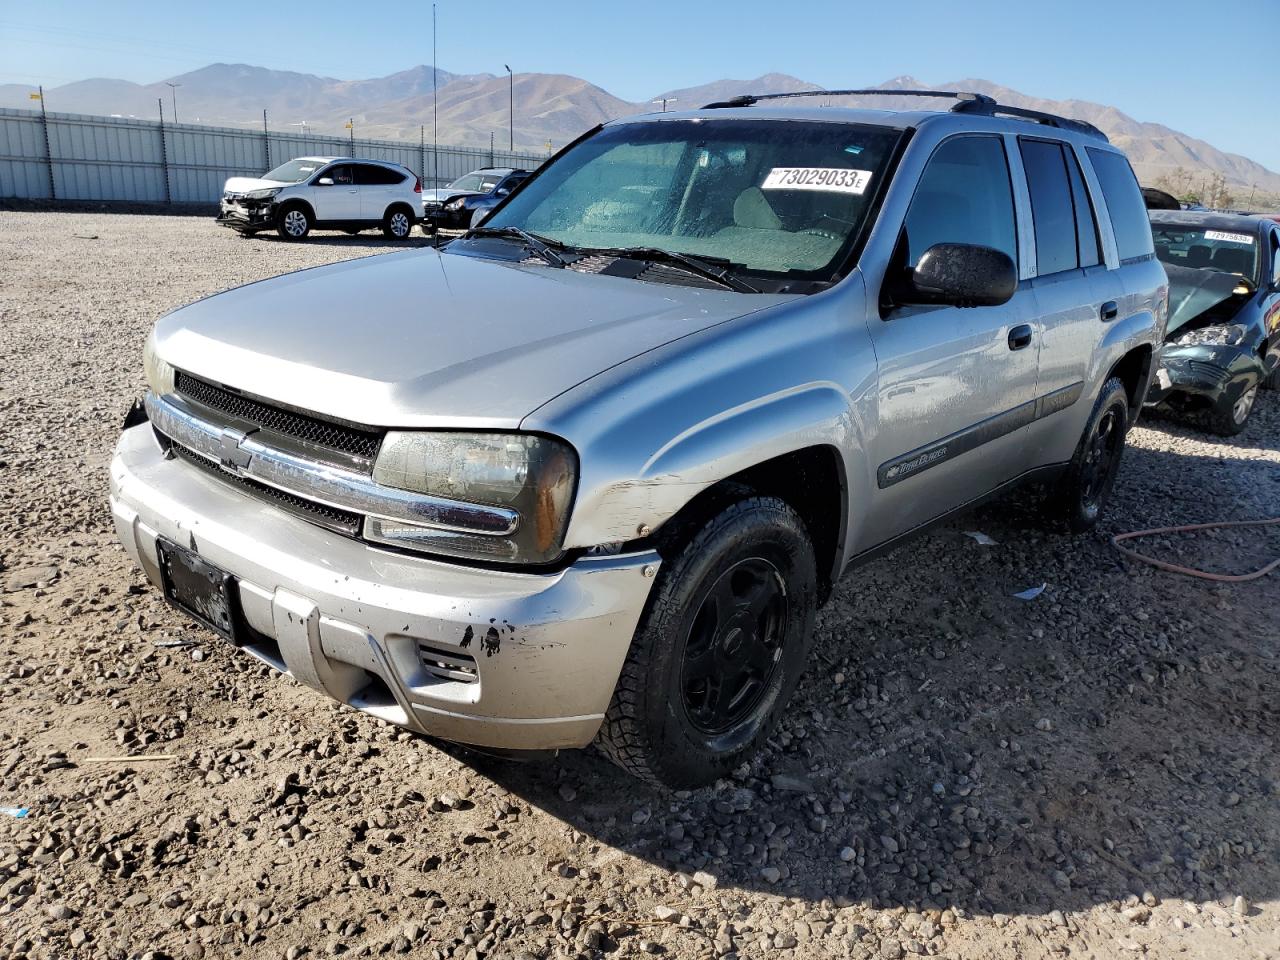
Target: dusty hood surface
<point>424,338</point>
<point>245,184</point>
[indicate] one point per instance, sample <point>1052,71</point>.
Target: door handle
<point>1020,336</point>
<point>1110,310</point>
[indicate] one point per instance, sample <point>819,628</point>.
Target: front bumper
<point>247,214</point>
<point>510,661</point>
<point>440,219</point>
<point>1214,373</point>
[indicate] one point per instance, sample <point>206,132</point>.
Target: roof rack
<point>966,102</point>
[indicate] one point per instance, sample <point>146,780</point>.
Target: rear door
<point>379,187</point>
<point>956,385</point>
<point>1076,296</point>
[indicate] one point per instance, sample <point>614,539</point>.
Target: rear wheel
<point>293,223</point>
<point>397,223</point>
<point>719,650</point>
<point>1081,494</point>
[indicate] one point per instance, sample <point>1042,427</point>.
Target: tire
<point>719,650</point>
<point>1225,418</point>
<point>293,222</point>
<point>1272,381</point>
<point>1080,496</point>
<point>397,223</point>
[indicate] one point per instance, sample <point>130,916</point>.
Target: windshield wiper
<point>544,247</point>
<point>710,268</point>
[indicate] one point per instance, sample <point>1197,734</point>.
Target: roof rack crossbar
<point>978,104</point>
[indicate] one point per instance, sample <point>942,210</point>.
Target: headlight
<point>1218,336</point>
<point>530,475</point>
<point>266,194</point>
<point>454,204</point>
<point>160,376</point>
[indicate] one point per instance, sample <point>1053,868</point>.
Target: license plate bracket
<point>198,588</point>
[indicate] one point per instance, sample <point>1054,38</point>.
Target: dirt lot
<point>1093,773</point>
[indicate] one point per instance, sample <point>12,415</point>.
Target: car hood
<point>245,184</point>
<point>444,193</point>
<point>424,338</point>
<point>1194,291</point>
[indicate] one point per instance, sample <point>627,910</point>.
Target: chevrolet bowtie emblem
<point>232,456</point>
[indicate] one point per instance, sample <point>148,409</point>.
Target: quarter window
<point>964,196</point>
<point>1124,204</point>
<point>1051,206</point>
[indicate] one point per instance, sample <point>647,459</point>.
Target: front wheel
<point>1081,494</point>
<point>397,224</point>
<point>293,223</point>
<point>719,650</point>
<point>1228,417</point>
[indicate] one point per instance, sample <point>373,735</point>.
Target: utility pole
<point>664,101</point>
<point>435,130</point>
<point>48,150</point>
<point>511,109</point>
<point>164,153</point>
<point>266,139</point>
<point>351,125</point>
<point>173,89</point>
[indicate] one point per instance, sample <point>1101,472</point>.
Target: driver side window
<point>964,196</point>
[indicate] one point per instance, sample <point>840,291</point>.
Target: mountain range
<point>555,108</point>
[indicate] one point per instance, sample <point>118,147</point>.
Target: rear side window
<point>964,196</point>
<point>369,175</point>
<point>1051,206</point>
<point>1124,203</point>
<point>1086,221</point>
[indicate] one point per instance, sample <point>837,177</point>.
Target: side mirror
<point>502,191</point>
<point>325,181</point>
<point>960,275</point>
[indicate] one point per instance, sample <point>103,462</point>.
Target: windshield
<point>768,196</point>
<point>295,171</point>
<point>476,182</point>
<point>1222,251</point>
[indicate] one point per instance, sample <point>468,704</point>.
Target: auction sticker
<point>832,179</point>
<point>1224,237</point>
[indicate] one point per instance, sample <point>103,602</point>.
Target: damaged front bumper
<point>247,215</point>
<point>508,661</point>
<point>1214,374</point>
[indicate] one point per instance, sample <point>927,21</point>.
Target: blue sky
<point>1208,69</point>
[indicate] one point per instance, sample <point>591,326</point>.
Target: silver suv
<point>586,474</point>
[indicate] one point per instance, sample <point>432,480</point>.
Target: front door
<point>339,200</point>
<point>956,385</point>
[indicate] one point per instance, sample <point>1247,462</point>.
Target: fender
<point>661,428</point>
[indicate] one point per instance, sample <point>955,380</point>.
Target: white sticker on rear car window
<point>1225,237</point>
<point>832,179</point>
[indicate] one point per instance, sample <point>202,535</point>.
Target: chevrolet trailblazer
<point>586,474</point>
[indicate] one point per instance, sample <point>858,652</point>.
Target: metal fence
<point>71,156</point>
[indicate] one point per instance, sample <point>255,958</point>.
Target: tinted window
<point>1051,206</point>
<point>1124,203</point>
<point>339,174</point>
<point>1086,221</point>
<point>367,174</point>
<point>963,197</point>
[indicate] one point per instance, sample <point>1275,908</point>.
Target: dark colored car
<point>1222,339</point>
<point>452,207</point>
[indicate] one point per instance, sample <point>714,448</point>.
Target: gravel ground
<point>1093,773</point>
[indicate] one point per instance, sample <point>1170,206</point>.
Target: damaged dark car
<point>1222,339</point>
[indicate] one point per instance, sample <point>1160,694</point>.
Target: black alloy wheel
<point>733,647</point>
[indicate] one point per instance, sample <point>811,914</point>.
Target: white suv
<point>332,193</point>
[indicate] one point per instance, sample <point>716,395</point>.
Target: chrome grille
<point>354,441</point>
<point>341,521</point>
